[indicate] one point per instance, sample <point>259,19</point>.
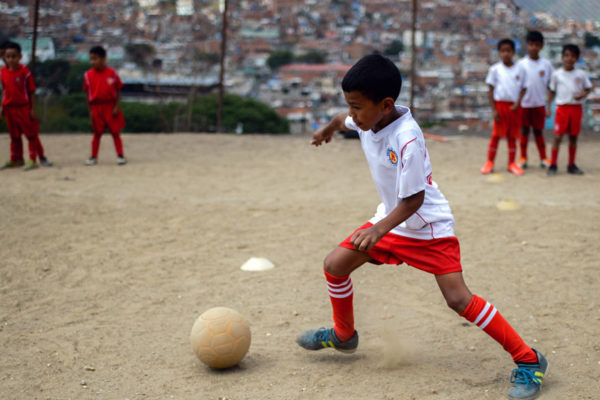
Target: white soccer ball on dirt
<point>220,337</point>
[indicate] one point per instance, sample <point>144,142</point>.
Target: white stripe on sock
<point>334,285</point>
<point>341,289</point>
<point>341,296</point>
<point>483,312</point>
<point>487,321</point>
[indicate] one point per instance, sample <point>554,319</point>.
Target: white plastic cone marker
<point>257,264</point>
<point>508,205</point>
<point>495,178</point>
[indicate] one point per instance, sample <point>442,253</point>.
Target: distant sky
<point>576,9</point>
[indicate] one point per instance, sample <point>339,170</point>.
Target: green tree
<point>312,57</point>
<point>590,40</point>
<point>280,57</point>
<point>394,48</point>
<point>140,53</point>
<point>52,74</point>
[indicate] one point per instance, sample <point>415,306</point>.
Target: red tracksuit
<point>102,87</point>
<point>18,87</point>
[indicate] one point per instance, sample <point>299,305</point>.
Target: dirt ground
<point>107,267</point>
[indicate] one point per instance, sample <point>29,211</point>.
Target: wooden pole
<point>36,13</point>
<point>222,71</point>
<point>413,57</point>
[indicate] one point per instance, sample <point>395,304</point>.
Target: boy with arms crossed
<point>413,224</point>
<point>533,111</point>
<point>570,86</point>
<point>506,81</point>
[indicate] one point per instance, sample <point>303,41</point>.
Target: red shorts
<point>568,119</point>
<point>102,118</point>
<point>436,256</point>
<point>534,117</point>
<point>510,121</point>
<point>19,121</point>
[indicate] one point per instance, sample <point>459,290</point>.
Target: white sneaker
<point>91,161</point>
<point>121,160</point>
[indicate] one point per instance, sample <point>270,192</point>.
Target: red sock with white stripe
<point>492,148</point>
<point>512,149</point>
<point>524,143</point>
<point>341,296</point>
<point>540,142</point>
<point>487,317</point>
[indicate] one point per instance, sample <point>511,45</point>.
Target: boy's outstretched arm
<point>326,133</point>
<point>495,115</point>
<point>551,95</point>
<point>517,103</point>
<point>365,239</point>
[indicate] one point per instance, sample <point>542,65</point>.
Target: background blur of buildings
<point>176,43</point>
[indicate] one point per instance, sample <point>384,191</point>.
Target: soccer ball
<point>220,337</point>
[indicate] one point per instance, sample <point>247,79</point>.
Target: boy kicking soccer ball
<point>414,223</point>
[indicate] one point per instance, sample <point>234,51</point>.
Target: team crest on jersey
<point>110,80</point>
<point>542,73</point>
<point>392,156</point>
<point>517,77</point>
<point>18,79</point>
<point>578,81</point>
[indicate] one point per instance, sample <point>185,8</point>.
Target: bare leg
<point>455,291</point>
<point>342,261</point>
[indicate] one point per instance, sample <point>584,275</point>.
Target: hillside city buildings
<point>455,43</point>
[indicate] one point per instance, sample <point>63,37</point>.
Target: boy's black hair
<point>11,45</point>
<point>99,51</point>
<point>535,36</point>
<point>375,77</point>
<point>573,48</point>
<point>507,41</point>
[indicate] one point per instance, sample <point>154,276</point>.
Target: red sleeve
<point>29,80</point>
<point>118,81</point>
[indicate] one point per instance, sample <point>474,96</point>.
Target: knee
<point>458,302</point>
<point>330,265</point>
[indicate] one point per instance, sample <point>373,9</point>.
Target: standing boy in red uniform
<point>413,224</point>
<point>533,111</point>
<point>570,86</point>
<point>103,87</point>
<point>17,107</point>
<point>506,81</point>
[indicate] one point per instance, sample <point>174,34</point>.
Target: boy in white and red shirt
<point>18,90</point>
<point>533,106</point>
<point>103,87</point>
<point>412,225</point>
<point>507,84</point>
<point>570,86</point>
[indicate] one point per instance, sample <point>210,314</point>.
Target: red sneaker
<point>488,167</point>
<point>515,169</point>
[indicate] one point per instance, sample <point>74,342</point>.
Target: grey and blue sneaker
<point>322,338</point>
<point>527,378</point>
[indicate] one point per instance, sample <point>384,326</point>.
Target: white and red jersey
<point>400,167</point>
<point>538,73</point>
<point>568,84</point>
<point>102,86</point>
<point>507,81</point>
<point>17,86</point>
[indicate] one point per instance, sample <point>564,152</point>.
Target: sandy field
<point>104,269</point>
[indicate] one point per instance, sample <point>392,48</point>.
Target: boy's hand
<point>580,96</point>
<point>1,112</point>
<point>322,135</point>
<point>495,115</point>
<point>115,111</point>
<point>32,114</point>
<point>548,112</point>
<point>515,106</point>
<point>365,239</point>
